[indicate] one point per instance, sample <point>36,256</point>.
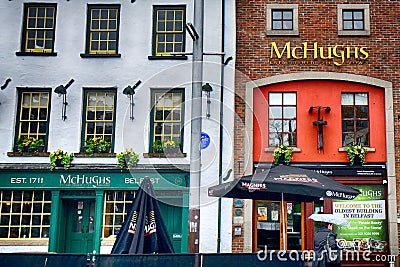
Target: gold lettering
<point>365,53</point>
<point>294,53</point>
<point>274,48</point>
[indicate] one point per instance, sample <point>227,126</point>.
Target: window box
<point>28,154</point>
<point>95,155</point>
<point>164,155</point>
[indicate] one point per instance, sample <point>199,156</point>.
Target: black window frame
<point>23,51</point>
<point>20,92</point>
<point>282,20</point>
<point>292,135</point>
<point>84,111</point>
<point>353,20</point>
<point>154,55</point>
<point>356,119</point>
<point>152,115</point>
<point>87,53</point>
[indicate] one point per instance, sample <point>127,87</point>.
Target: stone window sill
<point>95,155</point>
<point>343,149</point>
<point>164,155</point>
<point>28,154</point>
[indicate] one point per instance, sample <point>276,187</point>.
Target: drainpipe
<point>221,120</point>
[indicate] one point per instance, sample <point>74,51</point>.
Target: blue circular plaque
<point>204,140</point>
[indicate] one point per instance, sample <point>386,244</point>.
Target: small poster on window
<point>262,214</point>
<point>275,215</point>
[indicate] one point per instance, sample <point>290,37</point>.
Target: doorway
<point>269,221</point>
<point>79,225</point>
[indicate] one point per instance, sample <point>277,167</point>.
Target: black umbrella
<point>144,231</point>
<point>284,183</point>
<point>295,183</point>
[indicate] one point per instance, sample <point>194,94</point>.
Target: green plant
<point>35,144</point>
<point>29,144</point>
<point>285,151</point>
<point>169,144</point>
<point>61,157</point>
<point>157,146</point>
<point>97,144</point>
<point>356,151</point>
<point>127,159</point>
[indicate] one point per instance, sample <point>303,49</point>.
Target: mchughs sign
<point>338,54</point>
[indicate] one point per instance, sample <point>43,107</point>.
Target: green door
<point>79,225</point>
<point>172,216</point>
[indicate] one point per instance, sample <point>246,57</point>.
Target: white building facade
<point>66,68</point>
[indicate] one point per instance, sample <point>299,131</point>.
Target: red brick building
<point>297,59</point>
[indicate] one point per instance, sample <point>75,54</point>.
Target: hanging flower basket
<point>283,155</point>
<point>356,154</point>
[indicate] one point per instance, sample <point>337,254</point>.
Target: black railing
<point>152,260</point>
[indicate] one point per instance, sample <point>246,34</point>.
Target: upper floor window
<point>353,19</point>
<point>168,31</point>
<point>102,30</point>
<point>167,116</point>
<point>33,115</point>
<point>282,19</point>
<point>282,119</point>
<point>38,30</point>
<point>99,115</point>
<point>355,119</point>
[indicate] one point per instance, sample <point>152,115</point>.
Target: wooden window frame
<point>152,114</point>
<point>156,33</point>
<point>367,144</point>
<point>21,92</point>
<point>89,52</point>
<point>24,50</point>
<point>281,133</point>
<point>110,204</point>
<point>23,211</point>
<point>86,91</point>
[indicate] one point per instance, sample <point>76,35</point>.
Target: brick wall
<point>317,23</point>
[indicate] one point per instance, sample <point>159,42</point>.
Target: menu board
<point>367,217</point>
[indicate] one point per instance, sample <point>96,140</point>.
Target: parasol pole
<point>283,224</point>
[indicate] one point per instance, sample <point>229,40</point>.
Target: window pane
<point>347,15</point>
<point>276,25</point>
<point>287,15</point>
<point>347,99</point>
<point>347,25</point>
<point>275,99</point>
<point>276,15</point>
<point>289,112</point>
<point>358,15</point>
<point>361,99</point>
<point>287,25</point>
<point>358,25</point>
<point>289,99</point>
<point>275,112</point>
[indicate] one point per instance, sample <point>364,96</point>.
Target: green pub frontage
<point>81,210</point>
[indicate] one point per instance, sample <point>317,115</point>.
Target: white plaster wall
<point>135,39</point>
<point>30,249</point>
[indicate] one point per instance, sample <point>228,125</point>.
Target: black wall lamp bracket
<point>61,90</point>
<point>130,92</point>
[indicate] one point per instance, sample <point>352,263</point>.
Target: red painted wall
<point>319,93</point>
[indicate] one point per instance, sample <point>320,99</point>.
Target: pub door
<point>79,225</point>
